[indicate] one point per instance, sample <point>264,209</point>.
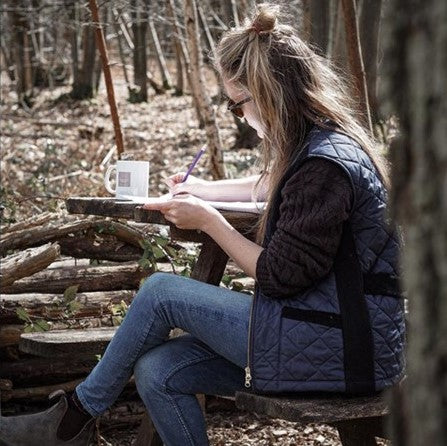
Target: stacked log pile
<point>62,272</point>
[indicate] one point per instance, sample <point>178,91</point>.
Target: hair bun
<point>265,18</point>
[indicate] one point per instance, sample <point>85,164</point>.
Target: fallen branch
<point>27,263</point>
<point>90,278</point>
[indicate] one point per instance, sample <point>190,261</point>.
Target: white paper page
<point>241,206</point>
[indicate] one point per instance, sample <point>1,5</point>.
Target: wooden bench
<point>358,419</point>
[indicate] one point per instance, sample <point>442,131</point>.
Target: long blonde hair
<point>293,88</point>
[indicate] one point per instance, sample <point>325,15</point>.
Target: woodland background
<point>57,139</point>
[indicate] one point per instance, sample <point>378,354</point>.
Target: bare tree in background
<point>199,89</point>
<point>139,14</point>
<point>356,60</point>
<point>84,85</point>
<point>416,65</point>
<point>185,61</point>
<point>165,76</point>
<point>369,37</point>
<point>318,22</point>
<point>22,52</point>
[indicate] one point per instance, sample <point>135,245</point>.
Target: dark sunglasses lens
<point>237,111</point>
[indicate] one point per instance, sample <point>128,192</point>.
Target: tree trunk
<point>165,76</point>
<point>119,34</point>
<point>319,11</point>
<point>416,82</point>
<point>199,89</point>
<point>184,58</point>
<point>369,35</point>
<point>84,85</point>
<point>356,60</point>
<point>139,29</point>
<point>22,53</point>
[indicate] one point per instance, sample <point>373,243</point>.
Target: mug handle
<point>107,179</point>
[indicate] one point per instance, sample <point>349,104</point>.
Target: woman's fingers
<point>172,180</point>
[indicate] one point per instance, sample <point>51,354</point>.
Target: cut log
<point>62,343</point>
<point>38,393</point>
<point>38,371</point>
<point>92,278</point>
<point>10,334</point>
<point>50,306</point>
<point>5,384</point>
<point>27,263</point>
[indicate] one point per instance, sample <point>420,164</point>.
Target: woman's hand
<point>186,212</point>
<point>194,186</point>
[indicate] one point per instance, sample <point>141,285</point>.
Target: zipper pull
<point>247,377</point>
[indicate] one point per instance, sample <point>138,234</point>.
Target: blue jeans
<point>169,373</point>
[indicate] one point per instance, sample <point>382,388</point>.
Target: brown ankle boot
<point>40,429</point>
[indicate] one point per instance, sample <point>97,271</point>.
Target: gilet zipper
<point>247,369</point>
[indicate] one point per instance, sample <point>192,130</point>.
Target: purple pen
<point>194,162</point>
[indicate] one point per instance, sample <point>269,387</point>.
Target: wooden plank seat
<point>358,419</point>
<point>63,343</point>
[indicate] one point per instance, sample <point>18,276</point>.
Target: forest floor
<point>61,148</point>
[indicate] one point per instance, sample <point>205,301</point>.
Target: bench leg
<point>360,432</point>
<point>147,434</point>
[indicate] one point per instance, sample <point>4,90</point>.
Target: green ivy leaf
<point>158,253</point>
<point>70,293</point>
<point>161,240</point>
<point>42,325</point>
<point>23,315</point>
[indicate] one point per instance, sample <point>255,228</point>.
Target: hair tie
<point>255,28</point>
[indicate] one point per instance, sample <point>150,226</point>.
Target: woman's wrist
<point>211,222</point>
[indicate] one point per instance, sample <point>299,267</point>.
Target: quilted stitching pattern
<point>293,355</point>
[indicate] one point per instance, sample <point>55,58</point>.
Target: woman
<point>326,315</point>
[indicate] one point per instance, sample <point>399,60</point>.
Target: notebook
<point>240,206</point>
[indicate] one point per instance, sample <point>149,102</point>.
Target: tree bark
<point>416,64</point>
<point>119,34</point>
<point>84,86</point>
<point>199,89</point>
<point>139,30</point>
<point>43,371</point>
<point>320,23</point>
<point>165,76</point>
<point>92,278</point>
<point>22,53</point>
<point>356,60</point>
<point>27,263</point>
<point>369,34</point>
<point>184,57</point>
<point>58,229</point>
<point>51,306</point>
<point>108,77</point>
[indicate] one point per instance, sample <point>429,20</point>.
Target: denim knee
<point>153,288</point>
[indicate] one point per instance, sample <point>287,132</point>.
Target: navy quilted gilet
<point>320,339</point>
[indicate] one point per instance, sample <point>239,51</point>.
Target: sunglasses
<point>236,107</point>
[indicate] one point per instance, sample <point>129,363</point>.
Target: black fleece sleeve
<point>316,201</point>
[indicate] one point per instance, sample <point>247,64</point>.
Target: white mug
<point>132,178</point>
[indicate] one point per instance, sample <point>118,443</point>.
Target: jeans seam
<point>168,393</point>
